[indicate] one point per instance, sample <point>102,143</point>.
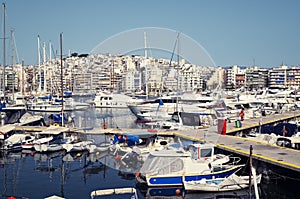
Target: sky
<point>263,33</point>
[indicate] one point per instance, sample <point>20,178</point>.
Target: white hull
<point>53,108</point>
<point>80,146</point>
<point>230,183</point>
<point>112,100</point>
<point>48,147</point>
<point>37,141</point>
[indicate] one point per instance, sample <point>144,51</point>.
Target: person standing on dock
<point>242,114</point>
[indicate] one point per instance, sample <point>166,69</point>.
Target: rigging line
<point>53,52</point>
<point>14,43</point>
<point>173,52</point>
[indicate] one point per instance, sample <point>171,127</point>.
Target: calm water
<point>36,176</point>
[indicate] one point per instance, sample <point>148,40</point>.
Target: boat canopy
<point>162,165</point>
<point>170,160</point>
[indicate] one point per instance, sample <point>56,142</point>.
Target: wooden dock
<point>275,155</point>
<point>279,156</point>
<point>262,151</point>
<point>249,124</point>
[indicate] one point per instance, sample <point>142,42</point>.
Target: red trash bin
<point>222,126</point>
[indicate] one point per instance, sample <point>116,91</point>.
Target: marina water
<point>25,174</point>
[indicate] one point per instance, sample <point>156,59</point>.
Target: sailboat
<point>10,111</point>
<point>47,103</point>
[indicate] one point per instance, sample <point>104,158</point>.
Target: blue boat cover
<point>131,140</point>
<point>57,117</point>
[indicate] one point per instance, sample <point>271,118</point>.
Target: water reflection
<point>75,175</point>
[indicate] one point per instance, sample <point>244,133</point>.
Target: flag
<point>160,103</point>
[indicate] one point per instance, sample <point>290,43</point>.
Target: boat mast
<point>3,87</point>
<point>177,74</point>
<point>22,85</point>
<point>12,62</point>
<point>146,67</point>
<point>50,62</point>
<point>112,78</point>
<point>44,54</point>
<point>39,66</point>
<point>61,79</point>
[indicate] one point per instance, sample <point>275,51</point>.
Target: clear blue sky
<point>241,32</point>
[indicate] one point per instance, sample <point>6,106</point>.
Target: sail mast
<point>61,80</point>
<point>146,62</point>
<point>23,83</point>
<point>50,62</point>
<point>3,86</point>
<point>178,48</point>
<point>39,66</point>
<point>45,71</point>
<point>12,62</point>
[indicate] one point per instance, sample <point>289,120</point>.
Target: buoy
<point>78,154</point>
<point>177,192</point>
<point>11,197</point>
<point>137,174</point>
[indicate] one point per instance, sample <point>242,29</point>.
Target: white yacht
<point>113,100</point>
<point>48,104</point>
<point>166,105</point>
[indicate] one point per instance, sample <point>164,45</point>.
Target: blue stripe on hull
<point>210,176</point>
<point>166,181</point>
<point>177,180</point>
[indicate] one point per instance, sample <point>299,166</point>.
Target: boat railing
<point>234,160</point>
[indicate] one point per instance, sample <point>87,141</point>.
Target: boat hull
<point>230,183</point>
<point>177,179</point>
